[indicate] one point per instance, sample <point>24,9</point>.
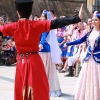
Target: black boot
<point>70,74</point>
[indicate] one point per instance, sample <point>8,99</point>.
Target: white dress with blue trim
<point>88,83</point>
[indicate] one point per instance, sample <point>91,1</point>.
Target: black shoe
<point>62,71</point>
<point>68,75</point>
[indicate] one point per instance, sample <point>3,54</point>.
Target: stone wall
<point>7,7</point>
<point>61,7</point>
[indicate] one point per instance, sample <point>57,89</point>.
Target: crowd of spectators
<point>70,54</point>
<point>7,45</point>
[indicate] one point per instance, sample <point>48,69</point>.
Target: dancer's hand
<point>81,12</point>
<point>59,44</point>
<point>40,47</point>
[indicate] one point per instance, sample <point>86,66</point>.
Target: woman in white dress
<point>50,68</point>
<point>88,83</point>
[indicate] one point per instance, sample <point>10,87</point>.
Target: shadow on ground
<point>67,96</point>
<point>7,79</point>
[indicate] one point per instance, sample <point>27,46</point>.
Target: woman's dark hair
<point>45,12</point>
<point>36,16</point>
<point>41,11</point>
<point>12,38</point>
<point>86,44</point>
<point>24,9</point>
<point>52,11</point>
<point>76,12</point>
<point>45,15</point>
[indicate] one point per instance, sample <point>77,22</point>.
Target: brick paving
<point>7,75</point>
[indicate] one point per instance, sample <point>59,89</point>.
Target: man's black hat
<point>23,1</point>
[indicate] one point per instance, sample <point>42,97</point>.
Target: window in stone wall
<point>96,6</point>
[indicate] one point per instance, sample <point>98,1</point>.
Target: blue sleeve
<point>79,41</point>
<point>43,37</point>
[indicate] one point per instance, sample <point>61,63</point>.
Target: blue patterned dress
<point>60,38</point>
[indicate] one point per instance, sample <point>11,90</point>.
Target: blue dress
<point>60,38</point>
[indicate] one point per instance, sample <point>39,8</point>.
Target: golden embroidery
<point>24,90</point>
<point>30,92</point>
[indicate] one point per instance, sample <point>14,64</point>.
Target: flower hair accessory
<point>97,14</point>
<point>45,12</point>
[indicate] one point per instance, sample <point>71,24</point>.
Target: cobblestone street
<point>7,75</point>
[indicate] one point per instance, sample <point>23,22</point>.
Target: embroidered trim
<point>96,52</point>
<point>91,53</point>
<point>86,58</point>
<point>97,59</point>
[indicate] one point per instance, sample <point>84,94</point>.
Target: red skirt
<point>31,82</point>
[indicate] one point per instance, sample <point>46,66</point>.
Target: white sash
<point>52,40</point>
<point>55,50</point>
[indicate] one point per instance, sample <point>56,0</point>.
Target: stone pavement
<point>7,75</point>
